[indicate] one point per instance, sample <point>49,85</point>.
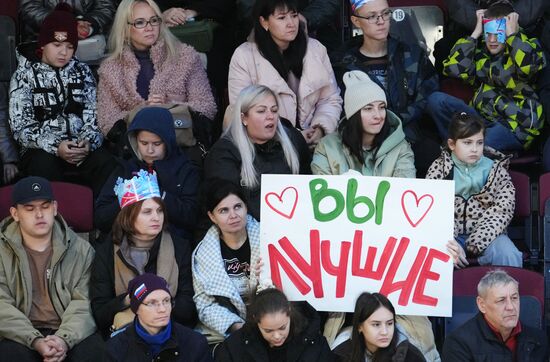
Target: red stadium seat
<point>75,204</point>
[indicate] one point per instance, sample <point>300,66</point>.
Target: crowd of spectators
<point>172,272</point>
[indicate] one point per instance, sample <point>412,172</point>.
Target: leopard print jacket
<point>485,215</point>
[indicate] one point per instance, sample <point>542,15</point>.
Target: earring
<point>245,124</point>
<point>266,28</point>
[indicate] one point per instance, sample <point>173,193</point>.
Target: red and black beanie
<point>60,25</point>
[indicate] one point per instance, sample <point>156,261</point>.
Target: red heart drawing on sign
<point>282,204</point>
<point>419,207</point>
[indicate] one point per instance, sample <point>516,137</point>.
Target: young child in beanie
<point>53,106</point>
<point>153,335</point>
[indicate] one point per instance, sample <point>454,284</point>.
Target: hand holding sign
<point>350,234</point>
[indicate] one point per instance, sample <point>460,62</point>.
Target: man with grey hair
<point>496,334</point>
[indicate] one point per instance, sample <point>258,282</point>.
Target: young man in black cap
<point>44,280</point>
<point>53,107</point>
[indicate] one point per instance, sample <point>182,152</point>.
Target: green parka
<point>395,157</point>
<point>68,285</point>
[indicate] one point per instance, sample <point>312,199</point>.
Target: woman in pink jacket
<point>280,56</point>
<point>148,65</point>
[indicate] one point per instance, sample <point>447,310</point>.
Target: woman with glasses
<point>281,56</point>
<point>147,65</point>
<point>139,244</point>
<point>152,335</point>
<point>402,69</point>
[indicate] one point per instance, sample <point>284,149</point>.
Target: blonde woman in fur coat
<point>148,66</point>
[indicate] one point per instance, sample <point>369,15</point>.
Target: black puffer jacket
<point>184,345</point>
<point>98,12</point>
<point>224,161</point>
<point>248,345</point>
<point>475,341</point>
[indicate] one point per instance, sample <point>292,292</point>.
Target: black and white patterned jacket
<point>49,105</point>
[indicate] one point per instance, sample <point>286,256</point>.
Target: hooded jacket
<point>248,345</point>
<point>181,75</point>
<point>393,159</point>
<point>178,180</point>
<point>49,105</point>
<point>68,285</point>
<point>505,82</point>
<point>485,215</point>
<point>411,78</point>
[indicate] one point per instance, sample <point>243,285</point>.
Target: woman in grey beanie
<point>370,139</point>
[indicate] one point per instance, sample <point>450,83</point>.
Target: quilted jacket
<point>485,215</point>
<point>49,105</point>
<point>218,301</point>
<point>505,82</point>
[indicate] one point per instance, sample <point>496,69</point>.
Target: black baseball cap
<point>31,188</point>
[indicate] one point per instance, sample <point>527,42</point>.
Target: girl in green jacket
<point>370,140</point>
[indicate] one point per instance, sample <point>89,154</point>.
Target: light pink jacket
<point>182,76</point>
<point>319,101</point>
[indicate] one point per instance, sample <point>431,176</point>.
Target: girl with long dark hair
<point>371,140</point>
<point>375,337</point>
<point>276,330</point>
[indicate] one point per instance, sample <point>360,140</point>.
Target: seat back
<point>420,21</point>
<point>465,308</point>
<point>75,204</point>
<point>544,210</point>
<point>521,228</point>
<point>544,192</point>
<point>530,283</point>
<point>523,193</point>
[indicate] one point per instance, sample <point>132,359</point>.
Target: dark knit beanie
<point>59,25</point>
<point>143,285</point>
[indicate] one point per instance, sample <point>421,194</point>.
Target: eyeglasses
<point>142,23</point>
<point>373,19</point>
<point>164,303</point>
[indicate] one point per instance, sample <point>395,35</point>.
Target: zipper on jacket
<point>52,283</point>
<point>62,87</point>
